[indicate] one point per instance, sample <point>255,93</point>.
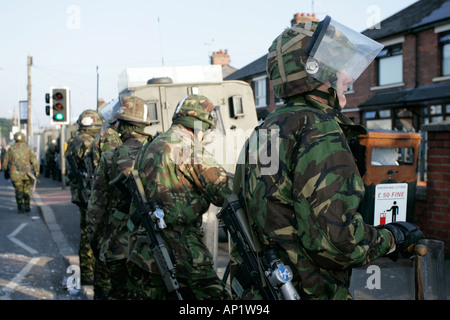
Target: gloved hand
<point>405,234</point>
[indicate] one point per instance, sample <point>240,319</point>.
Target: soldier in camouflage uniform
<point>108,138</point>
<point>17,161</point>
<point>50,163</point>
<point>179,174</point>
<point>307,207</point>
<point>89,124</point>
<point>108,206</point>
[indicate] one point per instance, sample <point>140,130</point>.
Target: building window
<point>390,65</point>
<point>435,113</point>
<point>260,88</point>
<point>403,120</point>
<point>444,41</point>
<point>379,120</point>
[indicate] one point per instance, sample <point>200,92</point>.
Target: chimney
<point>303,17</point>
<point>220,57</point>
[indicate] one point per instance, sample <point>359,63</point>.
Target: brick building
<point>407,88</point>
<point>408,84</point>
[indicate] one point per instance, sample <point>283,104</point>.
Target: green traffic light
<point>59,116</point>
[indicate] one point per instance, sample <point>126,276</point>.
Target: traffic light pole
<point>62,140</point>
<point>29,122</point>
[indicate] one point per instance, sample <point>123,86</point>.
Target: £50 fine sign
<point>390,203</point>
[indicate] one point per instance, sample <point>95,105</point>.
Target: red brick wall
<point>361,87</point>
<point>409,59</point>
<point>428,54</point>
<point>432,213</point>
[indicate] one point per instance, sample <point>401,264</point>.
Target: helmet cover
<point>132,109</point>
<point>89,120</point>
<point>19,137</point>
<point>199,107</point>
<point>287,58</point>
<point>312,53</point>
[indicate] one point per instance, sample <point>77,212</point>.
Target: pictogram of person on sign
<point>394,210</point>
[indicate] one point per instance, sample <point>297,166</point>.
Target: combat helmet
<point>312,53</point>
<point>19,137</point>
<point>132,109</point>
<point>196,107</point>
<point>89,120</point>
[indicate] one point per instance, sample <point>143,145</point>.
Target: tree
<point>5,128</point>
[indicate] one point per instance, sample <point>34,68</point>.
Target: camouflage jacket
<point>79,146</point>
<point>19,159</point>
<point>108,206</point>
<point>307,207</point>
<point>184,180</point>
<point>107,139</point>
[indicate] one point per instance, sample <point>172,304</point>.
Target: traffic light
<point>59,106</point>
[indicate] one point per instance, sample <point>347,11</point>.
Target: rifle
<point>267,273</point>
<point>84,193</point>
<point>88,162</point>
<point>151,216</point>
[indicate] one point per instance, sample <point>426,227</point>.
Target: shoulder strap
<point>114,168</point>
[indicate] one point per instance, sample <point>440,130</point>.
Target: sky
<point>69,40</point>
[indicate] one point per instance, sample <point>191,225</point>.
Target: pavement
<point>39,249</point>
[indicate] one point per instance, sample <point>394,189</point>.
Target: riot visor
<point>335,48</point>
<point>107,111</point>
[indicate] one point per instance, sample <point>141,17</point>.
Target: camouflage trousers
<point>23,194</point>
<point>86,256</point>
<point>118,277</point>
<point>147,286</point>
<point>101,281</point>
